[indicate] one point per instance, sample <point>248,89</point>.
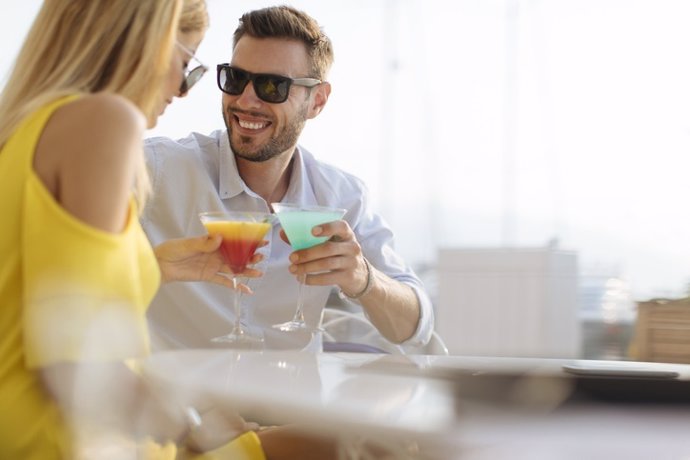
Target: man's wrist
<point>367,287</point>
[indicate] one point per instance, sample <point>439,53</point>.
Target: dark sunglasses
<point>191,77</point>
<point>268,87</point>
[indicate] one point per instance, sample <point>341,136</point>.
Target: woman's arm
<point>88,157</point>
<point>110,399</point>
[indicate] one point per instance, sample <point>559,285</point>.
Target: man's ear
<point>320,97</point>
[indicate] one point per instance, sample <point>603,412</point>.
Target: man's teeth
<point>251,125</point>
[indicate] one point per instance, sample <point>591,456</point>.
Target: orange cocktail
<point>240,240</point>
<point>242,232</point>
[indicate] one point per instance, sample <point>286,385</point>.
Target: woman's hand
<point>198,259</point>
<point>218,427</point>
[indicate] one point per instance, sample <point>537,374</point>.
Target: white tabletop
<point>431,400</point>
<point>323,389</point>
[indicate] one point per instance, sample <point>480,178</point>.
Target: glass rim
<point>293,207</point>
<point>254,215</point>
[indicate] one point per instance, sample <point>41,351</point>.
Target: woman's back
<point>118,264</point>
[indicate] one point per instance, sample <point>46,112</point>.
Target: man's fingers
<point>283,236</point>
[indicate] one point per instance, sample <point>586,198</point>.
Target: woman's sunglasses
<point>191,77</point>
<point>268,87</point>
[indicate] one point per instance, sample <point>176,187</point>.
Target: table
<point>448,407</point>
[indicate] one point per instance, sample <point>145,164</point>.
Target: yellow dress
<point>68,293</point>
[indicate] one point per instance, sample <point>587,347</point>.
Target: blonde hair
<point>194,16</point>
<point>87,46</point>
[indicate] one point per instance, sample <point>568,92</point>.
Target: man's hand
<point>338,261</point>
<point>391,306</point>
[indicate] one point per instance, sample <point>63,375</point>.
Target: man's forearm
<point>392,307</point>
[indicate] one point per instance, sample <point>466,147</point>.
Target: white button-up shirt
<point>199,173</point>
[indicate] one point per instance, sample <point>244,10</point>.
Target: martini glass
<point>242,233</point>
<point>298,221</point>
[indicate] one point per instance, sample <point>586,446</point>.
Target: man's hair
<point>289,23</point>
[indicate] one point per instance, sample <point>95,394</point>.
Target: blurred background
<point>560,126</point>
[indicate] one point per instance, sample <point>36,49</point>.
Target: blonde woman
<point>77,272</point>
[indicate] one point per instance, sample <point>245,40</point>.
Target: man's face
<point>259,130</point>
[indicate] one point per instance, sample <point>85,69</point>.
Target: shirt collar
<point>230,184</point>
<point>300,189</point>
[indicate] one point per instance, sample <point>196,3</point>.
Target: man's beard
<point>286,139</point>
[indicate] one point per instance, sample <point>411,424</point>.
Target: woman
<point>77,271</point>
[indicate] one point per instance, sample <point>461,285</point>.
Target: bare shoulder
<point>87,156</point>
<point>94,129</point>
<point>103,115</point>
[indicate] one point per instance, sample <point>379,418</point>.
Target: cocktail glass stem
<point>237,330</point>
<point>299,313</point>
<point>238,335</point>
<point>315,344</point>
<point>297,321</point>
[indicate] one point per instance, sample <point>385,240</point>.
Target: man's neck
<point>268,179</point>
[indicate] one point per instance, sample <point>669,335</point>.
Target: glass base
<point>315,344</point>
<point>292,325</point>
<point>241,339</point>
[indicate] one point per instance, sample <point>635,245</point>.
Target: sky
<point>495,123</point>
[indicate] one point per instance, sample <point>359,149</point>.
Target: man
<point>275,82</point>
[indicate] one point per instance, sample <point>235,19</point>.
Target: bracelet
<point>367,287</point>
<point>192,421</point>
<point>192,418</point>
